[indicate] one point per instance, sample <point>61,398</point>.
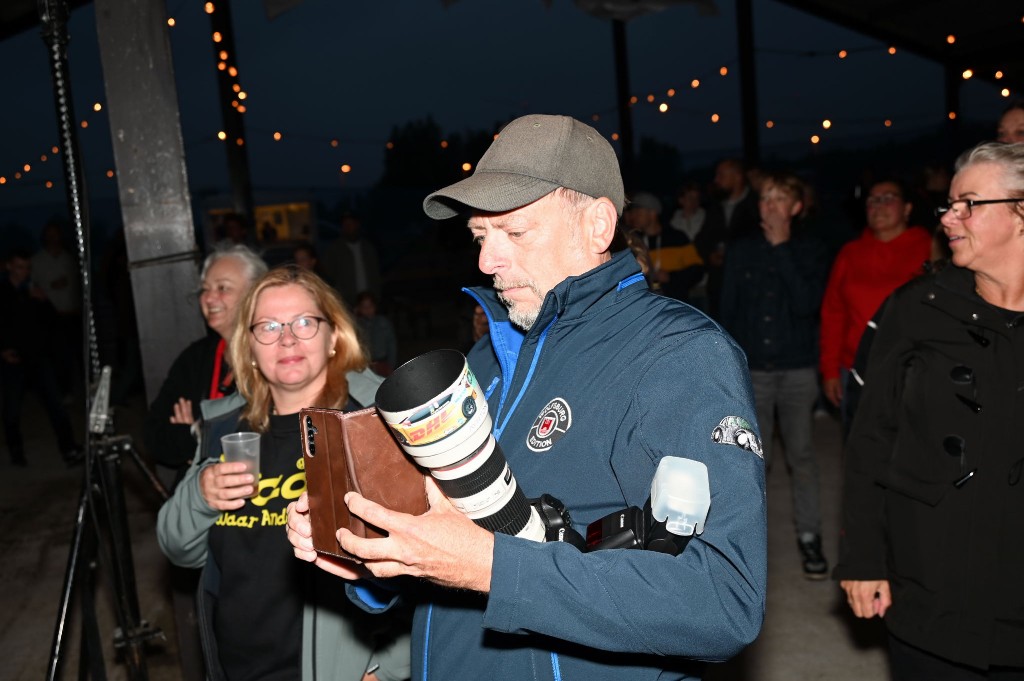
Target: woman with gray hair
<point>202,370</point>
<point>933,508</point>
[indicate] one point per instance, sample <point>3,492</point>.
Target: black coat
<point>170,444</point>
<point>944,397</point>
<point>770,300</point>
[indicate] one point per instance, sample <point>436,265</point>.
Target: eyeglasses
<point>883,199</point>
<point>962,208</point>
<point>303,328</point>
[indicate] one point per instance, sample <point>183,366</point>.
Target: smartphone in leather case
<point>354,451</point>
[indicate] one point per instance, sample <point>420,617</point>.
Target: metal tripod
<point>102,515</point>
<point>101,518</point>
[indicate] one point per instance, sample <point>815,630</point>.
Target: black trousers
<point>908,663</point>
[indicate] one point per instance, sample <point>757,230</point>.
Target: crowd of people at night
<point>622,329</point>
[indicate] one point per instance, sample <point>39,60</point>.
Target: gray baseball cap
<point>533,156</point>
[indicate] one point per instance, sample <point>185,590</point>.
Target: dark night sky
<point>349,70</point>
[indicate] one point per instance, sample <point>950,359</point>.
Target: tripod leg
<point>122,568</point>
<point>90,664</point>
<point>69,584</point>
<point>153,480</point>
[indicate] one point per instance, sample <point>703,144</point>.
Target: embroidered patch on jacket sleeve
<point>735,430</point>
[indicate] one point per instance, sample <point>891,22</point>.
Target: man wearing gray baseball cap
<point>591,380</point>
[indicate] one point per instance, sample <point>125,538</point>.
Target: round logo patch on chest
<point>549,427</point>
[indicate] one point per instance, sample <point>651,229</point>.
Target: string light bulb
<point>769,124</point>
<point>217,37</point>
<point>695,83</point>
<point>97,107</point>
<point>842,54</point>
<point>815,139</point>
<point>892,50</point>
<point>1005,92</point>
<point>346,168</point>
<point>724,71</point>
<point>671,92</point>
<point>715,118</point>
<point>967,74</point>
<point>663,107</point>
<point>888,122</point>
<point>999,75</point>
<point>277,136</point>
<point>950,39</point>
<point>208,8</point>
<point>952,115</point>
<point>170,22</point>
<point>650,99</point>
<point>615,137</point>
<point>222,135</point>
<point>466,167</point>
<point>826,124</point>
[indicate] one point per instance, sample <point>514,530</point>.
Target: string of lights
<point>662,100</point>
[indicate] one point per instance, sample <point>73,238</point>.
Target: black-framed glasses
<point>270,332</point>
<point>962,208</point>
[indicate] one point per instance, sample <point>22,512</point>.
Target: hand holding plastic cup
<point>244,447</point>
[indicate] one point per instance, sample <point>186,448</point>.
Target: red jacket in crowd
<point>863,275</point>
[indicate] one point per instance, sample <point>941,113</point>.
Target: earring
<point>253,364</point>
<point>333,352</point>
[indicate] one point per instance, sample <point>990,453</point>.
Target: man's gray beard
<point>520,318</point>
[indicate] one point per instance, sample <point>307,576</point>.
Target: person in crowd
<point>350,263</point>
<point>203,369</point>
<point>378,334</point>
<point>690,218</point>
<point>675,266</point>
<point>55,271</point>
<point>932,511</point>
<point>234,230</point>
<point>771,292</point>
<point>1011,123</point>
<point>201,372</point>
<point>591,380</point>
<point>304,255</point>
<point>481,325</point>
<point>736,215</point>
<point>888,253</point>
<point>294,345</point>
<point>29,343</point>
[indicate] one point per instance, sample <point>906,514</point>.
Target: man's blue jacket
<point>610,379</point>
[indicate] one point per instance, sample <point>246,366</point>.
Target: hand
<point>225,486</point>
<point>300,535</point>
<point>181,412</point>
<point>833,390</point>
<point>867,598</point>
<point>442,545</point>
<point>776,229</point>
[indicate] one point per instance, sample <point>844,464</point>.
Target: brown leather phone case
<point>354,451</point>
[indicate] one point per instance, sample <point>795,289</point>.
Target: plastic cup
<point>244,447</point>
